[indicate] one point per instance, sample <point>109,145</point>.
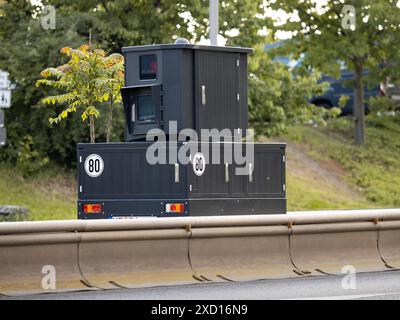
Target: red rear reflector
<point>175,207</point>
<point>92,208</point>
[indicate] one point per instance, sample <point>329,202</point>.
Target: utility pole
<point>214,7</point>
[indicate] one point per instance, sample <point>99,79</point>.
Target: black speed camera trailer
<point>129,186</point>
<point>195,87</point>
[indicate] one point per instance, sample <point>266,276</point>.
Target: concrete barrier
<point>128,259</point>
<point>92,255</point>
<point>389,243</point>
<point>235,255</point>
<point>27,263</point>
<point>327,249</point>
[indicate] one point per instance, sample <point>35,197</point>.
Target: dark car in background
<point>337,87</point>
<point>343,87</point>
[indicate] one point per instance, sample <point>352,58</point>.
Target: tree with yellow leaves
<point>89,78</point>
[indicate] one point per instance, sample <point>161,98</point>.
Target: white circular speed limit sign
<point>94,165</point>
<point>199,164</point>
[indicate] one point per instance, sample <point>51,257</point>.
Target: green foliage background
<point>277,99</point>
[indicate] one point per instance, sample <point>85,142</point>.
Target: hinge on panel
<point>284,158</point>
<point>238,97</point>
<point>80,188</point>
<point>80,159</point>
<point>176,172</point>
<point>133,113</point>
<point>284,187</point>
<point>237,62</point>
<point>250,172</point>
<point>190,188</point>
<point>226,172</point>
<point>203,95</point>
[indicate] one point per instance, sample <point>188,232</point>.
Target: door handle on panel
<point>226,172</point>
<point>133,117</point>
<point>203,95</point>
<point>176,172</point>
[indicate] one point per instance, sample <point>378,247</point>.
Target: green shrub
<point>29,160</point>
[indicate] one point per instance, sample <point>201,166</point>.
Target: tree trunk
<point>109,126</point>
<point>359,108</point>
<point>92,132</point>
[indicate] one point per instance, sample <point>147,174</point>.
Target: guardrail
<point>109,254</point>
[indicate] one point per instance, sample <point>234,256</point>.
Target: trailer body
<point>128,186</point>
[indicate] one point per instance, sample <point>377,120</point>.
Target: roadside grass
<point>307,194</point>
<point>308,189</point>
<point>373,170</point>
<point>49,195</point>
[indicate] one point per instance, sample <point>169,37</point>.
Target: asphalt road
<point>378,285</point>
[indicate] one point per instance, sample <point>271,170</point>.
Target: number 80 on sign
<point>94,165</point>
<point>199,164</point>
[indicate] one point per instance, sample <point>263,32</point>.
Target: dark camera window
<point>146,108</point>
<point>148,67</point>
